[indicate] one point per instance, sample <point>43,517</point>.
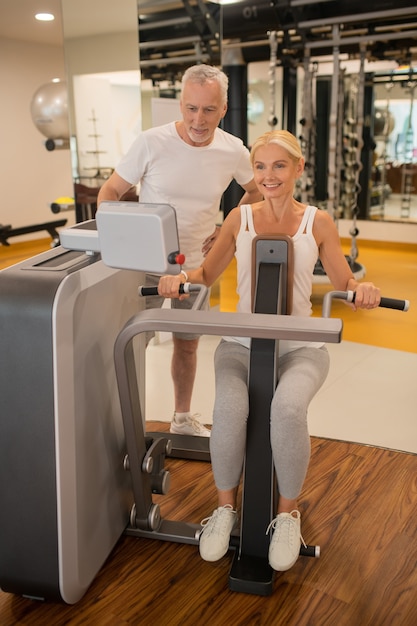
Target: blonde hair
<point>282,138</point>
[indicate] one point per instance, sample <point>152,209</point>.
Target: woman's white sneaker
<point>284,548</point>
<point>215,536</point>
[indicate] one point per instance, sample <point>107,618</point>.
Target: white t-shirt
<point>305,257</point>
<point>191,179</point>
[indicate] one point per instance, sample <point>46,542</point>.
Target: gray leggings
<point>301,374</point>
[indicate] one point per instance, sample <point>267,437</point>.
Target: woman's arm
<point>336,266</point>
<point>213,265</point>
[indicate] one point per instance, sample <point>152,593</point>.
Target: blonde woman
<point>277,163</point>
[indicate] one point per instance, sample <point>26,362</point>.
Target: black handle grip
<point>153,291</point>
<point>148,291</point>
<point>392,303</point>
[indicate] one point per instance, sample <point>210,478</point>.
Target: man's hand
<point>208,243</point>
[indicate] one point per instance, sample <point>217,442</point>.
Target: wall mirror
<point>129,51</point>
<point>103,79</point>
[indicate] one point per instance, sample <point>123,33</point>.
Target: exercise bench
<point>51,227</point>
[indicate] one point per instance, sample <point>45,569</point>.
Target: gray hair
<point>203,73</point>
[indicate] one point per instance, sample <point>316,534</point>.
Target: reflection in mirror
<point>175,34</point>
<point>107,116</point>
<point>394,192</point>
<point>102,61</point>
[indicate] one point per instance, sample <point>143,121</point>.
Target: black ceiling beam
<point>389,32</point>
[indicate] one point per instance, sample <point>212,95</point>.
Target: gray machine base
<point>186,446</point>
<point>65,496</point>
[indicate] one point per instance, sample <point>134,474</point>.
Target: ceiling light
<point>45,17</point>
<point>226,1</point>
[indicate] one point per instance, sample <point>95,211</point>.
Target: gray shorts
<point>156,302</point>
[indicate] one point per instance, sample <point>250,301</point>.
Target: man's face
<point>202,109</point>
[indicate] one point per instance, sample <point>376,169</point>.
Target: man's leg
<point>183,371</point>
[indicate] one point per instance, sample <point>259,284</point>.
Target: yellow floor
<point>391,266</point>
<point>19,251</point>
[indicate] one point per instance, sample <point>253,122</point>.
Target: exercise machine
<point>70,453</point>
<point>272,288</point>
<point>61,434</point>
<point>62,444</point>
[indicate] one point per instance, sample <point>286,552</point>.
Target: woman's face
<point>275,171</point>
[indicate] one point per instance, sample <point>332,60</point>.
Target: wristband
<point>184,273</point>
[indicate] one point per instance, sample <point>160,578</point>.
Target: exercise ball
<point>49,110</point>
<point>384,122</point>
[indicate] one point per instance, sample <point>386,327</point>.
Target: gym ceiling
<point>174,35</point>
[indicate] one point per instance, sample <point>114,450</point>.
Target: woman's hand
<point>169,285</point>
<point>367,296</point>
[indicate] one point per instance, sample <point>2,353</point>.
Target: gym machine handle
<point>184,288</point>
<point>153,291</point>
<point>349,296</point>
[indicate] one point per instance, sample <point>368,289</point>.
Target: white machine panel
<point>136,235</point>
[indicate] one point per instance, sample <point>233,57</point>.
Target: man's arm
<point>251,195</point>
<point>113,188</point>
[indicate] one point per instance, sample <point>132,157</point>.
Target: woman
<point>277,163</point>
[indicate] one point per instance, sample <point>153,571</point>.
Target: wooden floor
<point>359,504</point>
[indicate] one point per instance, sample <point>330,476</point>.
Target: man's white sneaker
<point>215,536</point>
<point>189,426</point>
<point>284,548</point>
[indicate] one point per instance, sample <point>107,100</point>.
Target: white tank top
<point>305,257</point>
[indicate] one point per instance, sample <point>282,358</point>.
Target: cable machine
<point>308,129</point>
<point>409,168</point>
<point>346,117</point>
<point>384,156</point>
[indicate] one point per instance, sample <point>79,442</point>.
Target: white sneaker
<point>190,426</point>
<point>284,548</point>
<point>215,536</point>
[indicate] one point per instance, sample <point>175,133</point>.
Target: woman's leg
<point>301,374</point>
<point>230,414</point>
<point>227,446</point>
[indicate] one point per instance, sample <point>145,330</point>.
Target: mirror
<point>103,81</point>
<point>103,67</point>
<point>103,78</point>
<point>395,131</point>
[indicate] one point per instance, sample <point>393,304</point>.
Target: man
<point>188,164</point>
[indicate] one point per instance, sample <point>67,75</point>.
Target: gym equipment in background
<point>6,231</point>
